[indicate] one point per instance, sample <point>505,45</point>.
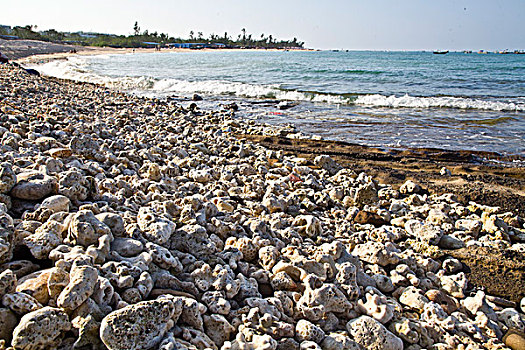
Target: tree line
<point>139,38</point>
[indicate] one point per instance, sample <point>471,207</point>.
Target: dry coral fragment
<point>139,326</point>
<point>56,203</point>
<point>306,330</point>
<point>217,328</point>
<point>7,178</point>
<point>41,329</point>
<point>33,186</point>
<point>155,229</point>
<point>85,229</point>
<point>375,253</point>
<point>8,282</point>
<point>46,238</point>
<point>20,303</point>
<point>371,334</point>
<point>82,280</point>
<point>6,236</point>
<point>376,306</point>
<point>35,284</point>
<point>127,247</point>
<point>413,298</point>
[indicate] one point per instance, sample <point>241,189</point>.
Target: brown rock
<point>60,152</point>
<point>448,303</point>
<point>366,217</point>
<point>515,339</point>
<point>35,284</point>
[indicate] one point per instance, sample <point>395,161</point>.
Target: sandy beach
<point>37,52</point>
<point>205,231</point>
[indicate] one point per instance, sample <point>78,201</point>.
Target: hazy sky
<point>328,24</point>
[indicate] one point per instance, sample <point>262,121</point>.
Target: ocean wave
<point>407,101</point>
<point>77,68</point>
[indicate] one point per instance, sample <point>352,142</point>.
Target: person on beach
<point>3,58</point>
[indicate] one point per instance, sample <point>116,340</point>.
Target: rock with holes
<point>7,178</point>
<point>34,186</point>
<point>46,238</point>
<point>155,229</point>
<point>6,237</point>
<point>82,280</point>
<point>85,229</point>
<point>140,326</point>
<point>8,282</point>
<point>41,329</point>
<point>306,330</point>
<point>371,334</point>
<point>74,185</point>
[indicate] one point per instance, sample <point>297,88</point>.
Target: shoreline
<point>32,51</point>
<point>511,160</point>
<point>238,231</point>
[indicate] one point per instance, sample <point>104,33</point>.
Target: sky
<point>328,24</point>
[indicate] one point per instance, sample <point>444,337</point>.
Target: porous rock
<point>139,326</point>
<point>41,329</point>
<point>371,334</point>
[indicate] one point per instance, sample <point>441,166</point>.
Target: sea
<point>391,100</point>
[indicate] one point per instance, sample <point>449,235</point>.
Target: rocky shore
<point>134,223</point>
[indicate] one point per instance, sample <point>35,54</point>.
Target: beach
<point>138,222</point>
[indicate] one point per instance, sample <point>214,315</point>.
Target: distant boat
<point>440,52</point>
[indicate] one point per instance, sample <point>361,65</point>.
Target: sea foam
<point>407,101</point>
<point>77,68</point>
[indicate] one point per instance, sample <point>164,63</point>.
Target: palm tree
<point>191,34</point>
<point>243,30</point>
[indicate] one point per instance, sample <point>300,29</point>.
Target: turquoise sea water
<point>386,99</point>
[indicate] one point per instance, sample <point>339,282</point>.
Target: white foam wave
<point>77,68</point>
<point>437,102</point>
<point>215,87</point>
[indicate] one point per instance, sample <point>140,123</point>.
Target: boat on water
<point>440,52</point>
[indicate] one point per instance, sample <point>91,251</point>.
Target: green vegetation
<point>138,38</point>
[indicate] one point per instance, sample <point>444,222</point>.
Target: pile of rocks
<point>134,223</point>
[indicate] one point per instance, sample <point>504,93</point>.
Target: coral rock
<point>371,334</point>
<point>139,326</point>
<point>41,329</point>
<point>33,186</point>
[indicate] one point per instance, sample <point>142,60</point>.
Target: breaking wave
<point>438,102</point>
<point>77,68</point>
